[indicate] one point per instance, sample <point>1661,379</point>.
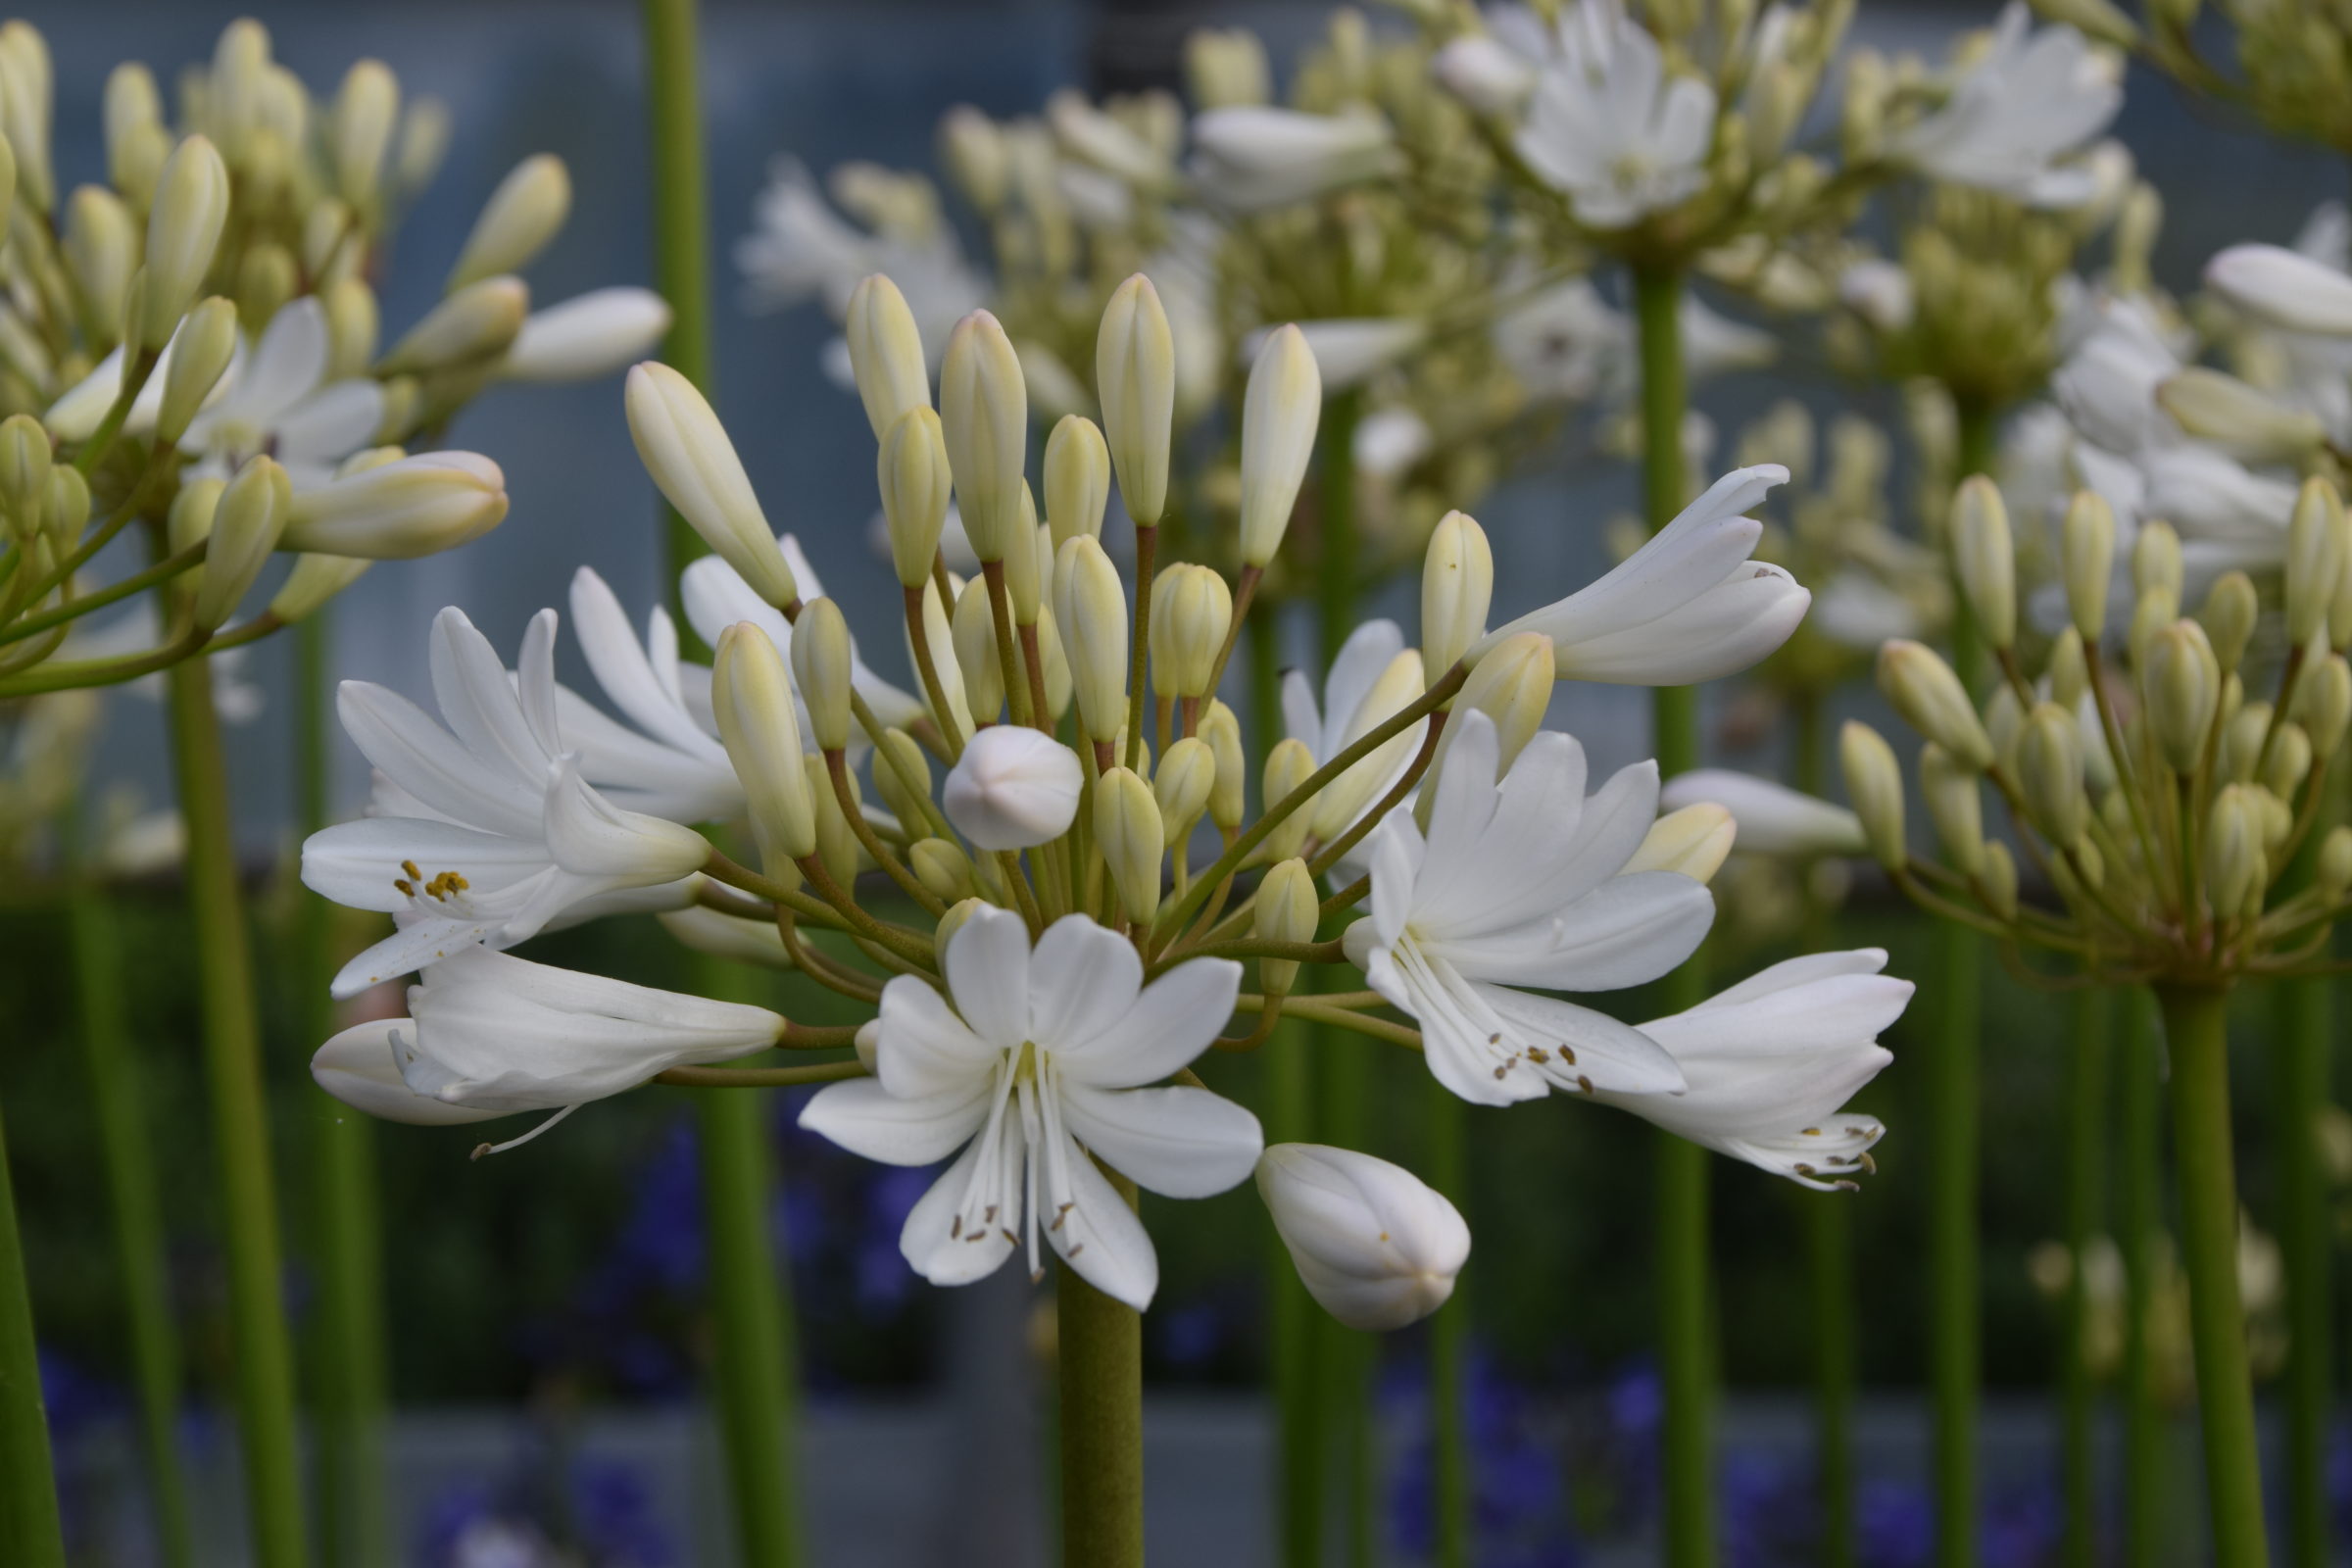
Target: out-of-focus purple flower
<point>1636,1400</point>
<point>1189,1334</point>
<point>1894,1523</point>
<point>1519,1514</point>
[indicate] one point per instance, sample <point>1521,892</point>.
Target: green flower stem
<point>2139,1226</point>
<point>126,1145</point>
<point>1685,1340</point>
<point>349,1362</point>
<point>2302,1049</point>
<point>2085,1200</point>
<point>1449,1341</point>
<point>232,1058</point>
<point>1101,1357</point>
<point>30,1531</point>
<point>2197,1033</point>
<point>752,1360</point>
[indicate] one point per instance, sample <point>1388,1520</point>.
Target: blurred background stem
<point>2087,1110</point>
<point>2139,1227</point>
<point>31,1533</point>
<point>2301,1047</point>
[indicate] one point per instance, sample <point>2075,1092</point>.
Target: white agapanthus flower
<point>2017,113</point>
<point>1375,1245</point>
<point>1772,818</point>
<point>1250,157</point>
<point>1516,883</point>
<point>483,829</point>
<point>1037,1064</point>
<point>667,760</point>
<point>1373,675</point>
<point>1609,127</point>
<point>1012,788</point>
<point>1768,1064</point>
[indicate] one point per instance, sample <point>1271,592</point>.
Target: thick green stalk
<point>30,1531</point>
<point>136,1202</point>
<point>2300,1050</point>
<point>2085,1201</point>
<point>2196,1031</point>
<point>350,1363</point>
<point>752,1370</point>
<point>2139,1229</point>
<point>232,1058</point>
<point>1102,1355</point>
<point>1449,1343</point>
<point>1686,1350</point>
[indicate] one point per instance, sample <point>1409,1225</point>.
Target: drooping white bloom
<point>1377,1246</point>
<point>1767,1063</point>
<point>1038,1069</point>
<point>1249,158</point>
<point>1517,883</point>
<point>1608,127</point>
<point>2021,108</point>
<point>1689,606</point>
<point>1012,788</point>
<point>2283,288</point>
<point>592,334</point>
<point>1773,818</point>
<point>360,1068</point>
<point>484,829</point>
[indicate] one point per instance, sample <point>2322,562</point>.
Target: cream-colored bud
<point>886,352</point>
<point>902,778</point>
<point>331,244</point>
<point>1226,68</point>
<point>2332,875</point>
<point>240,66</point>
<point>352,327</point>
<point>314,581</point>
<point>1222,730</point>
<point>1930,697</point>
<point>1512,685</point>
<point>65,505</point>
<point>1457,585</point>
<point>2228,617</point>
<point>101,250</point>
<point>835,841</point>
<point>1135,374</point>
<point>1014,788</point>
<point>1287,909</point>
<point>972,148</point>
<point>133,112</point>
<point>2152,612</point>
<point>2234,867</point>
<point>2340,607</point>
<point>2241,743</point>
<point>28,91</point>
<point>1956,806</point>
<point>2086,547</point>
<point>190,519</point>
<point>2004,721</point>
<point>184,229</point>
<point>200,354</point>
<point>517,220</point>
<point>2315,560</point>
<point>1280,412</point>
<point>1055,666</point>
<point>398,511</point>
<point>821,661</point>
<point>973,631</point>
<point>1289,765</point>
<point>424,130</point>
<point>25,459</point>
<point>2289,761</point>
<point>1694,842</point>
<point>984,413</point>
<point>938,640</point>
<point>752,698</point>
<point>942,868</point>
<point>1192,610</point>
<point>1875,784</point>
<point>2251,424</point>
<point>2156,558</point>
<point>954,920</point>
<point>911,469</point>
<point>1094,633</point>
<point>2069,669</point>
<point>1182,784</point>
<point>1998,881</point>
<point>1347,796</point>
<point>1132,840</point>
<point>2324,705</point>
<point>360,130</point>
<point>246,524</point>
<point>2180,685</point>
<point>2049,765</point>
<point>1077,479</point>
<point>265,281</point>
<point>478,322</point>
<point>1024,570</point>
<point>1985,559</point>
<point>686,450</point>
<point>1375,1245</point>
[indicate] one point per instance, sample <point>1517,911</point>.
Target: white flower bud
<point>1485,76</point>
<point>972,148</point>
<point>835,841</point>
<point>246,523</point>
<point>686,450</point>
<point>2086,546</point>
<point>1026,566</point>
<point>359,128</point>
<point>886,352</point>
<point>1375,1245</point>
<point>1279,411</point>
<point>2228,615</point>
<point>911,469</point>
<point>26,460</point>
<point>1457,585</point>
<point>190,519</point>
<point>1287,909</point>
<point>2235,870</point>
<point>516,224</point>
<point>902,778</point>
<point>1955,806</point>
<point>2069,669</point>
<point>314,581</point>
<point>1930,697</point>
<point>2289,761</point>
<point>1289,765</point>
<point>1014,788</point>
<point>944,868</point>
<point>1092,615</point>
<point>2324,704</point>
<point>398,511</point>
<point>972,631</point>
<point>1077,479</point>
<point>1875,784</point>
<point>1132,839</point>
<point>2315,560</point>
<point>101,252</point>
<point>821,661</point>
<point>1192,611</point>
<point>478,322</point>
<point>1984,560</point>
<point>2181,683</point>
<point>65,505</point>
<point>200,354</point>
<point>2049,766</point>
<point>1225,68</point>
<point>1694,842</point>
<point>752,699</point>
<point>2333,874</point>
<point>1511,685</point>
<point>2250,425</point>
<point>585,337</point>
<point>2283,288</point>
<point>1135,373</point>
<point>1999,882</point>
<point>133,113</point>
<point>1346,795</point>
<point>1056,666</point>
<point>2156,559</point>
<point>984,413</point>
<point>184,229</point>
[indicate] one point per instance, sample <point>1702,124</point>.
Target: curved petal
<point>1171,1023</point>
<point>1585,1050</point>
<point>1101,1237</point>
<point>923,1049</point>
<point>987,970</point>
<point>867,1119</point>
<point>1179,1142</point>
<point>1082,981</point>
<point>933,1244</point>
<point>332,423</point>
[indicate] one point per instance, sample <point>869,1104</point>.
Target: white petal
<point>866,1119</point>
<point>1083,980</point>
<point>1171,1023</point>
<point>358,1067</point>
<point>1101,1237</point>
<point>332,423</point>
<point>958,1258</point>
<point>987,970</point>
<point>924,1049</point>
<point>1180,1142</point>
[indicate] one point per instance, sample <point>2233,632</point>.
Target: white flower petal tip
<point>1038,1070</point>
<point>1250,157</point>
<point>1375,1245</point>
<point>1773,818</point>
<point>360,1068</point>
<point>2020,114</point>
<point>1014,788</point>
<point>598,333</point>
<point>2283,288</point>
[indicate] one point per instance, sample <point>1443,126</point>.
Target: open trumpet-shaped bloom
<point>1609,129</point>
<point>2030,100</point>
<point>1036,1064</point>
<point>1517,883</point>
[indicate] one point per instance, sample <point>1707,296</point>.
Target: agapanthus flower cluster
<point>194,347</point>
<point>1060,907</point>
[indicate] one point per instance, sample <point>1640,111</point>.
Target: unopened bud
<point>265,281</point>
<point>1997,883</point>
<point>1457,585</point>
<point>1055,664</point>
<point>246,523</point>
<point>190,519</point>
<point>132,110</point>
<point>1289,765</point>
<point>517,220</point>
<point>65,505</point>
<point>1192,610</point>
<point>943,868</point>
<point>686,450</point>
<point>835,841</point>
<point>360,128</point>
<point>2324,705</point>
<point>2228,617</point>
<point>1181,786</point>
<point>1512,685</point>
<point>2236,871</point>
<point>1132,839</point>
<point>184,229</point>
<point>1014,788</point>
<point>1985,559</point>
<point>972,148</point>
<point>972,630</point>
<point>752,699</point>
<point>820,667</point>
<point>2241,743</point>
<point>24,463</point>
<point>1092,616</point>
<point>1347,796</point>
<point>352,327</point>
<point>984,413</point>
<point>2180,685</point>
<point>1692,842</point>
<point>1955,806</point>
<point>1279,411</point>
<point>2086,545</point>
<point>939,639</point>
<point>2069,670</point>
<point>1135,373</point>
<point>1287,909</point>
<point>1027,563</point>
<point>101,251</point>
<point>2332,875</point>
<point>200,354</point>
<point>2289,761</point>
<point>2316,548</point>
<point>2251,424</point>
<point>2152,612</point>
<point>2156,559</point>
<point>911,469</point>
<point>314,581</point>
<point>1077,479</point>
<point>902,778</point>
<point>1930,697</point>
<point>1374,1244</point>
<point>2050,764</point>
<point>398,511</point>
<point>1222,730</point>
<point>886,352</point>
<point>478,322</point>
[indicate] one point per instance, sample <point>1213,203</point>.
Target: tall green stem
<point>2140,1228</point>
<point>2085,1200</point>
<point>232,1058</point>
<point>1449,1344</point>
<point>752,1374</point>
<point>1686,1348</point>
<point>2196,1031</point>
<point>126,1146</point>
<point>2302,1049</point>
<point>1101,1354</point>
<point>30,1531</point>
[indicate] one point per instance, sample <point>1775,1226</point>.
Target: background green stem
<point>2139,1229</point>
<point>232,1058</point>
<point>2196,1031</point>
<point>2086,1204</point>
<point>30,1532</point>
<point>1449,1343</point>
<point>1685,1355</point>
<point>135,1201</point>
<point>1101,1354</point>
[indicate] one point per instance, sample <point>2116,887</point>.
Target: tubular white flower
<point>1520,882</point>
<point>1689,606</point>
<point>1375,1245</point>
<point>1767,1063</point>
<point>484,831</point>
<point>1037,1071</point>
<point>360,1068</point>
<point>589,335</point>
<point>398,511</point>
<point>1250,157</point>
<point>2283,288</point>
<point>1608,127</point>
<point>2029,101</point>
<point>1773,818</point>
<point>1012,788</point>
<point>686,450</point>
